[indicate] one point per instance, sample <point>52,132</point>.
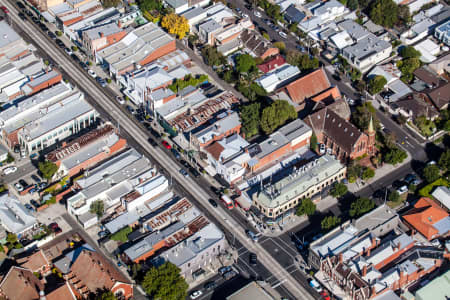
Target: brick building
<point>97,38</point>
<point>44,81</point>
<point>228,123</point>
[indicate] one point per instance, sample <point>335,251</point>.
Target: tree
<point>352,4</point>
<point>384,13</point>
<point>250,116</point>
<point>409,52</point>
<point>105,295</point>
<point>394,156</point>
<point>367,174</point>
<point>361,206</point>
<point>338,190</point>
<point>245,63</point>
<point>362,114</point>
<point>353,171</point>
<point>276,115</point>
<point>280,45</point>
<point>376,84</point>
<point>111,3</point>
<point>306,207</point>
<point>48,169</point>
<point>404,14</point>
<point>444,160</point>
<point>212,57</point>
<point>313,142</point>
<point>175,24</point>
<point>431,173</point>
<point>150,5</point>
<point>302,61</point>
<point>165,283</point>
<point>408,66</point>
<point>330,222</point>
<point>11,238</point>
<point>97,207</point>
<point>394,196</point>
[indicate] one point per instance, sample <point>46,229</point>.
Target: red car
<point>53,225</point>
<point>166,145</point>
<point>5,10</point>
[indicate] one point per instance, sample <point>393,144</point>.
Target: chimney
<point>364,270</point>
<point>102,34</point>
<point>368,252</point>
<point>373,292</point>
<point>64,144</point>
<point>119,24</point>
<point>341,258</point>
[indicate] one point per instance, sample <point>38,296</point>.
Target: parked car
<point>184,163</point>
<point>57,230</point>
<point>29,207</point>
<point>68,51</point>
<point>92,73</point>
<point>60,43</point>
<point>42,185</point>
<point>166,145</point>
<point>410,178</point>
<point>53,225</point>
<point>75,57</point>
<point>120,100</point>
<point>257,14</point>
<point>210,285</point>
<point>212,202</point>
<point>33,190</point>
<point>23,183</point>
<point>322,149</point>
<point>184,173</point>
<point>252,235</point>
<point>34,203</point>
<point>18,187</point>
<point>282,34</point>
<point>315,285</point>
<point>175,153</point>
<point>101,81</point>
<point>194,172</point>
<point>224,269</point>
<point>152,142</point>
<point>83,65</point>
<point>229,275</point>
<point>51,35</point>
<point>102,234</point>
<point>195,294</point>
<point>253,259</point>
<point>403,189</point>
<point>22,16</point>
<point>20,5</point>
<point>9,170</point>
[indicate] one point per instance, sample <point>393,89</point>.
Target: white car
<point>257,14</point>
<point>9,170</point>
<point>195,294</point>
<point>92,73</point>
<point>68,51</point>
<point>322,149</point>
<point>18,187</point>
<point>282,34</point>
<point>120,100</point>
<point>403,189</point>
<point>245,16</point>
<point>315,285</point>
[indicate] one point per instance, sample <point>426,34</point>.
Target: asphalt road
<point>136,134</point>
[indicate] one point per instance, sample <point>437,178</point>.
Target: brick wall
<point>155,248</point>
<point>273,156</point>
<point>46,84</point>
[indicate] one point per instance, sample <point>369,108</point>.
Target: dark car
<point>75,57</point>
<point>23,183</point>
<point>60,43</point>
<point>36,178</point>
<point>155,133</point>
<point>253,259</point>
<point>33,190</point>
<point>53,225</point>
<point>210,285</point>
<point>224,269</point>
<point>215,190</point>
<point>102,234</point>
<point>397,184</point>
<point>34,203</point>
<point>22,16</point>
<point>410,178</point>
<point>175,153</point>
<point>42,185</point>
<point>57,230</point>
<point>51,35</point>
<point>152,142</point>
<point>212,202</point>
<point>194,172</point>
<point>184,163</point>
<point>29,13</point>
<point>20,5</point>
<point>43,27</point>
<point>29,207</point>
<point>83,65</point>
<point>16,149</point>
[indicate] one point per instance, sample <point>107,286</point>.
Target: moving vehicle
<point>184,173</point>
<point>252,235</point>
<point>166,145</point>
<point>253,259</point>
<point>92,73</point>
<point>210,285</point>
<point>212,202</point>
<point>227,201</point>
<point>9,170</point>
<point>195,294</point>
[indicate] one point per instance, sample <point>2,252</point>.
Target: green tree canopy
<point>48,169</point>
<point>338,190</point>
<point>444,160</point>
<point>97,207</point>
<point>367,174</point>
<point>303,61</point>
<point>150,5</point>
<point>105,295</point>
<point>212,57</point>
<point>362,114</point>
<point>165,283</point>
<point>276,115</point>
<point>376,84</point>
<point>245,63</point>
<point>330,222</point>
<point>395,156</point>
<point>306,207</point>
<point>394,196</point>
<point>361,206</point>
<point>409,52</point>
<point>431,173</point>
<point>384,13</point>
<point>250,117</point>
<point>313,142</point>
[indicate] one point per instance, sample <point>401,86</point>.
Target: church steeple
<point>370,129</point>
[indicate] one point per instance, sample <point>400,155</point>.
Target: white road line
<point>278,284</point>
<point>164,160</point>
<point>250,268</point>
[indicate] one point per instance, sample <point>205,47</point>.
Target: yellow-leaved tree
<point>175,24</point>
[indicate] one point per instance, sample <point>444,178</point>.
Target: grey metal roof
<point>14,217</point>
<point>219,127</point>
<point>294,15</point>
<point>3,150</point>
<point>356,31</point>
<point>443,226</point>
<point>442,194</point>
<point>368,46</point>
<point>8,35</point>
<point>210,26</point>
<point>194,12</point>
<point>294,129</point>
<point>122,221</point>
<point>176,3</point>
<point>105,29</point>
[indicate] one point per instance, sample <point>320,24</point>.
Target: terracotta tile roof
<point>424,215</point>
<point>342,132</point>
<point>33,262</point>
<point>62,292</point>
<point>272,64</point>
<point>21,284</point>
<point>215,149</point>
<point>440,96</point>
<point>332,93</point>
<point>308,86</point>
<point>95,272</point>
<point>427,76</point>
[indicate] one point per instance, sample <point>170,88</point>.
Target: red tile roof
<point>34,262</point>
<point>424,215</point>
<point>272,64</point>
<point>21,284</point>
<point>215,149</point>
<point>62,292</point>
<point>308,86</point>
<point>332,93</point>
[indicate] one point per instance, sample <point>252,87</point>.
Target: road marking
<point>278,284</point>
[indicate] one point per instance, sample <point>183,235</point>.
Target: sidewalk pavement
<point>379,173</point>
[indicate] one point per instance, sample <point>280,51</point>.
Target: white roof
<point>342,39</point>
<point>442,194</point>
<point>14,216</point>
<point>428,50</point>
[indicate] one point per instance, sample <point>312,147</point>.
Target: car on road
<point>35,178</point>
<point>84,66</point>
<point>229,275</point>
<point>210,285</point>
<point>212,202</point>
<point>120,100</point>
<point>282,34</point>
<point>245,16</point>
<point>155,133</point>
<point>253,259</point>
<point>175,153</point>
<point>152,142</point>
<point>224,269</point>
<point>184,173</point>
<point>29,207</point>
<point>33,190</point>
<point>92,73</point>
<point>101,81</point>
<point>166,145</point>
<point>185,163</point>
<point>252,235</point>
<point>68,51</point>
<point>315,285</point>
<point>34,203</point>
<point>18,187</point>
<point>20,5</point>
<point>195,294</point>
<point>403,189</point>
<point>257,14</point>
<point>75,57</point>
<point>5,9</point>
<point>51,35</point>
<point>194,172</point>
<point>322,149</point>
<point>410,178</point>
<point>9,170</point>
<point>22,16</point>
<point>60,43</point>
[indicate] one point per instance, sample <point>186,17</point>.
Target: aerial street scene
<point>224,149</point>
